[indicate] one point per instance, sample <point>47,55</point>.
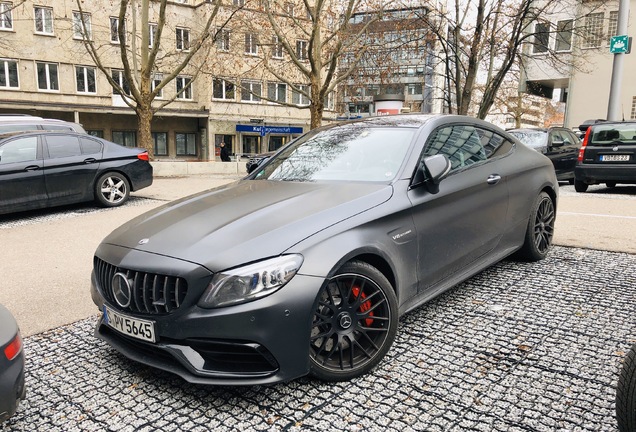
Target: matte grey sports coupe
<point>305,265</point>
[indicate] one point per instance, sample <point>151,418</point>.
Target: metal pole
<point>614,111</point>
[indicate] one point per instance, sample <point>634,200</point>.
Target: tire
<point>571,181</point>
<point>112,190</point>
<point>626,393</point>
<point>354,323</point>
<point>610,184</point>
<point>540,229</point>
<point>579,186</point>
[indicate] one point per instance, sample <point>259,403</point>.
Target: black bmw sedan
<point>46,169</point>
<point>306,265</point>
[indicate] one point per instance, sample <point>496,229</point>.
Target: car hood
<point>246,220</point>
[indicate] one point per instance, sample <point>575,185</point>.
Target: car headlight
<point>250,282</point>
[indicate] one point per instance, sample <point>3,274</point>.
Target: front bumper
<point>260,342</point>
<point>597,173</point>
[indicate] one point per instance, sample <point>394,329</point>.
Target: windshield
<point>614,134</point>
<point>353,152</point>
<point>533,139</point>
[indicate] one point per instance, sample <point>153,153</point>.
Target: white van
<point>18,123</point>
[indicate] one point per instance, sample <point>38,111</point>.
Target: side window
<point>494,144</point>
<point>52,127</point>
<point>18,128</point>
<point>19,150</point>
<point>460,143</point>
<point>90,146</point>
<point>63,146</point>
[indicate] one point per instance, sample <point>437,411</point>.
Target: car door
<point>21,175</point>
<point>563,152</point>
<point>466,219</point>
<point>69,174</point>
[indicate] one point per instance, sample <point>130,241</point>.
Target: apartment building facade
<point>570,54</point>
<point>46,70</point>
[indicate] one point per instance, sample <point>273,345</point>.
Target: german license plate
<point>133,327</point>
<point>614,158</point>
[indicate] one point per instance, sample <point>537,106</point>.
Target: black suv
<point>608,155</point>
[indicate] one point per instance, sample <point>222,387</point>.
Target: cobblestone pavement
<point>520,347</point>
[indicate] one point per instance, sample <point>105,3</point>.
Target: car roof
<point>5,135</point>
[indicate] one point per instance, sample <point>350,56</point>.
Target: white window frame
<point>84,70</point>
<point>121,80</point>
<point>277,48</point>
<point>6,16</point>
<point>78,28</point>
<point>299,98</point>
<point>330,101</point>
<point>301,49</point>
<point>289,9</point>
<point>239,3</point>
<point>182,39</point>
<point>152,33</point>
<point>561,29</point>
<point>278,86</point>
<point>156,80</point>
<point>4,64</point>
<point>535,45</point>
<point>227,87</point>
<point>46,16</point>
<point>47,72</point>
<point>114,30</point>
<point>223,41</point>
<point>186,82</point>
<point>247,91</point>
<point>251,44</point>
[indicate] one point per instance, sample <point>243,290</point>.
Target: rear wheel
<point>354,323</point>
<point>610,184</point>
<point>540,229</point>
<point>579,186</point>
<point>626,393</point>
<point>112,189</point>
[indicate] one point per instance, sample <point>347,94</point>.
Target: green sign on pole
<point>619,44</point>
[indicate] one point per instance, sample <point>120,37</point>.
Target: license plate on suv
<point>133,327</point>
<point>614,158</point>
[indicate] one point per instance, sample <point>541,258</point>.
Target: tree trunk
<point>144,120</point>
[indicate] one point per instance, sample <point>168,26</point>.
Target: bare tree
<point>147,63</point>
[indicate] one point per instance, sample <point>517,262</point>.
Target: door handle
<point>32,168</point>
<point>90,160</point>
<point>493,179</point>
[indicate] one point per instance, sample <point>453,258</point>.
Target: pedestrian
<point>225,155</point>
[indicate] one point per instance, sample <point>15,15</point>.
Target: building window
<point>277,92</point>
<point>564,36</point>
<point>6,17</point>
<point>98,133</point>
<point>299,97</point>
<point>160,140</point>
<point>47,76</point>
<point>223,40</point>
<point>612,29</point>
<point>301,49</point>
<point>85,79</point>
<point>329,101</point>
<point>251,46</point>
<point>119,78</point>
<point>152,34</point>
<point>183,39</point>
<point>414,89</point>
<point>222,89</point>
<point>289,9</point>
<point>593,30</point>
<point>251,91</point>
<point>277,48</point>
<point>43,20</point>
<point>184,88</point>
<point>82,25</point>
<point>125,138</point>
<point>633,108</point>
<point>9,74</point>
<point>239,3</point>
<point>186,144</point>
<point>541,37</point>
<point>114,30</point>
<point>156,80</point>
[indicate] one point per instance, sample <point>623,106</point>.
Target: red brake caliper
<point>364,306</point>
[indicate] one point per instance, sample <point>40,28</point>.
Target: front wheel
<point>626,393</point>
<point>540,229</point>
<point>354,323</point>
<point>580,186</point>
<point>112,189</point>
<point>611,184</point>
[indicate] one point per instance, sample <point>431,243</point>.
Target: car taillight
<point>143,156</point>
<point>585,141</point>
<point>14,348</point>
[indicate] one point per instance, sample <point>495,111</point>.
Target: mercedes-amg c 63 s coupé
<point>305,266</point>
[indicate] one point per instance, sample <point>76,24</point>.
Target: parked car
<point>17,123</point>
<point>256,160</point>
<point>559,144</point>
<point>12,384</point>
<point>626,393</point>
<point>305,265</point>
<point>608,155</point>
<point>46,169</point>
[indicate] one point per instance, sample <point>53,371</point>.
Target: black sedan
<point>12,387</point>
<point>559,144</point>
<point>254,161</point>
<point>305,265</point>
<point>46,169</point>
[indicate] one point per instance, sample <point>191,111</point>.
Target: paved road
<point>519,347</point>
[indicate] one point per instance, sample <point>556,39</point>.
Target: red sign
<point>387,111</point>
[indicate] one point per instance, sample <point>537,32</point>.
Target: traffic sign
<point>620,44</point>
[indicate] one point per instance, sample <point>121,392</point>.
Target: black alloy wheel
<point>112,189</point>
<point>540,229</point>
<point>354,323</point>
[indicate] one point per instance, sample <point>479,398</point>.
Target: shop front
<point>260,138</point>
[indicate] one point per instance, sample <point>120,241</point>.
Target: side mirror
<point>558,143</point>
<point>431,172</point>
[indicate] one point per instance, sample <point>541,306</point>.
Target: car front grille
<point>149,293</point>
